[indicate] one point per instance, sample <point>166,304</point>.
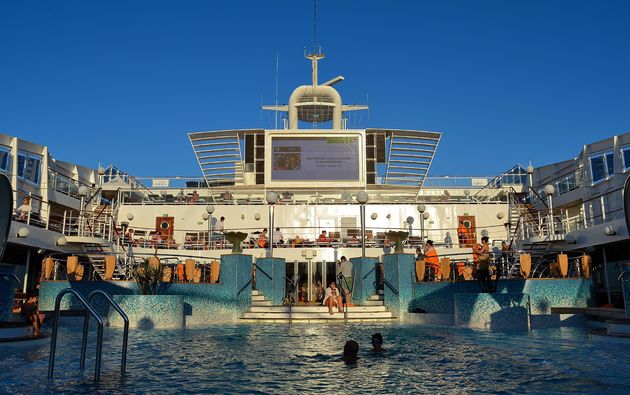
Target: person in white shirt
<point>24,209</point>
<point>277,237</point>
<point>344,267</point>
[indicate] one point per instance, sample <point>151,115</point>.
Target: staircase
<point>96,255</point>
<point>262,311</point>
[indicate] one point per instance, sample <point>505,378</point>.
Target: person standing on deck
<point>431,258</point>
<point>481,254</point>
<point>344,267</point>
<point>461,234</point>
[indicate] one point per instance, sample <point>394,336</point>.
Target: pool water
<point>304,358</point>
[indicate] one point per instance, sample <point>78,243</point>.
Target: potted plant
<point>148,276</point>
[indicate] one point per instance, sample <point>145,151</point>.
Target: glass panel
<point>598,168</point>
<point>626,158</point>
<point>31,170</point>
<point>21,162</point>
<point>4,160</point>
<point>610,163</point>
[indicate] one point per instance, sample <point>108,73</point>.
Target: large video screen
<point>315,158</point>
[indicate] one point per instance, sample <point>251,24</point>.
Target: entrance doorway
<point>312,277</point>
<point>470,235</point>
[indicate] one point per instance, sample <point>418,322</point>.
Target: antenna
<point>315,26</point>
<point>276,112</point>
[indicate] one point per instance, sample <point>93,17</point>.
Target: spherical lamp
<point>549,189</point>
<point>257,216</point>
<point>23,232</point>
<point>374,216</point>
<point>101,170</point>
<point>425,215</point>
<point>209,209</point>
<point>83,191</point>
<point>205,216</point>
<point>500,215</point>
<point>130,216</point>
<point>272,197</point>
<point>61,241</point>
<point>362,197</point>
<point>410,220</point>
<point>421,208</point>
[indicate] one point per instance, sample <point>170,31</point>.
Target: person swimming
<point>350,351</point>
<point>377,343</point>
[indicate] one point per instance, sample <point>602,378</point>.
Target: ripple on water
<point>305,358</point>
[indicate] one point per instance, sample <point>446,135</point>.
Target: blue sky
<point>124,81</point>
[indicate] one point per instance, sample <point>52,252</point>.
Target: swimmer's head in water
<point>377,341</point>
<point>351,349</point>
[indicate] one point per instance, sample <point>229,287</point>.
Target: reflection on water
<point>300,358</point>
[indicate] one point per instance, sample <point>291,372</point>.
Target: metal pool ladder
<point>99,340</point>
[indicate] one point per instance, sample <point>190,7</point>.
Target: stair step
<point>376,297</point>
<point>258,298</point>
<point>374,303</point>
<point>255,292</point>
<point>263,303</point>
<point>325,315</point>
<point>314,309</point>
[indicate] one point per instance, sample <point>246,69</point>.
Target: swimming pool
<point>304,358</point>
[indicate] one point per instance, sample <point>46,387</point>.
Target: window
<point>602,166</point>
<point>625,152</point>
<point>5,159</point>
<point>610,164</point>
<point>29,167</point>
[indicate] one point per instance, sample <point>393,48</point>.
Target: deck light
<point>23,232</point>
<point>421,208</point>
<point>101,171</point>
<point>130,216</point>
<point>500,215</point>
<point>257,216</point>
<point>374,216</point>
<point>410,220</point>
<point>205,216</point>
<point>83,191</point>
<point>61,241</point>
<point>529,169</point>
<point>425,215</point>
<point>209,209</point>
<point>362,197</point>
<point>549,189</point>
<point>272,197</point>
<point>609,230</point>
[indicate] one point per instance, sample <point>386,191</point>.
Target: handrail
<point>263,272</point>
<point>344,301</point>
<point>11,275</point>
<point>53,340</point>
<point>91,197</point>
<point>116,306</point>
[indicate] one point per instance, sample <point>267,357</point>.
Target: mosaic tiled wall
<point>7,294</point>
<point>625,284</point>
<point>270,279</point>
<point>399,271</point>
<point>438,297</point>
<point>365,270</point>
<point>203,303</point>
<point>497,312</point>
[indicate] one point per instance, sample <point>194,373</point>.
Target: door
<point>164,226</point>
<point>470,235</point>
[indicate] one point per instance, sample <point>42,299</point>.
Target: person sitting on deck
<point>297,241</point>
<point>156,239</point>
<point>278,238</point>
<point>332,298</point>
<point>30,312</point>
<point>323,238</point>
<point>24,210</point>
<point>262,240</point>
<point>432,260</point>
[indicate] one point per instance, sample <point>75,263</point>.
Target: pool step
<point>314,309</point>
<point>262,311</point>
<point>318,316</point>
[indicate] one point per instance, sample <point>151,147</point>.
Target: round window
<point>467,224</point>
<point>164,225</point>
